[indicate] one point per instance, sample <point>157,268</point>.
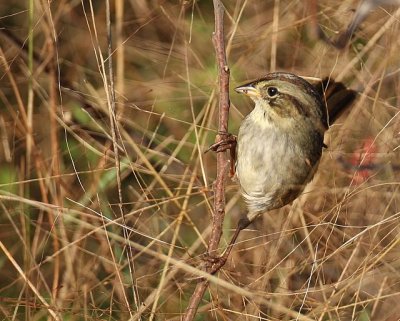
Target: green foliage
<point>8,178</point>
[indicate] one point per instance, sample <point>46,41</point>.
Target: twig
<point>114,131</point>
<point>219,187</point>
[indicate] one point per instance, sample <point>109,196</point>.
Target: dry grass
<point>65,252</point>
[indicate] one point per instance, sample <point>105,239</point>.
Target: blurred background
<point>71,251</point>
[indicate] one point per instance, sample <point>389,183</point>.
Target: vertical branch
<point>219,186</point>
<point>224,104</point>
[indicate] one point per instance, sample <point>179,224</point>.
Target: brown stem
<point>219,187</point>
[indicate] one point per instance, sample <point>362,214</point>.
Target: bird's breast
<point>273,165</point>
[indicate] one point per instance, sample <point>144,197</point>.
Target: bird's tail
<point>337,96</point>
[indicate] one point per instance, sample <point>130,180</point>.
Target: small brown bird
<point>280,142</point>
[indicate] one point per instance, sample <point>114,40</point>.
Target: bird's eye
<point>272,91</point>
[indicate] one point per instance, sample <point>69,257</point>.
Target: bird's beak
<point>248,90</point>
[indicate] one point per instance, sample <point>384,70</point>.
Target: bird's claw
<point>224,142</point>
<point>215,262</point>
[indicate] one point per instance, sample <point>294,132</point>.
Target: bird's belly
<point>272,171</point>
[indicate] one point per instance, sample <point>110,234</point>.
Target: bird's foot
<point>224,142</point>
<point>215,263</point>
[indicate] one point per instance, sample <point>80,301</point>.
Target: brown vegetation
<point>71,250</point>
